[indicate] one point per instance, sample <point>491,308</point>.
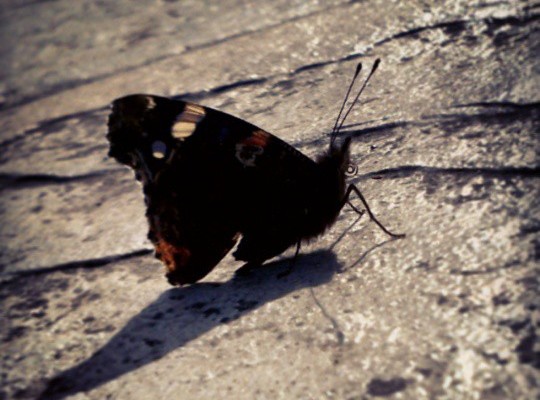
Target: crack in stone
<point>378,128</point>
<point>460,24</point>
<point>12,181</point>
<point>457,25</point>
<point>220,89</point>
<point>518,112</point>
<point>501,104</point>
<point>452,26</point>
<point>324,137</point>
<point>267,28</point>
<point>72,84</point>
<point>340,336</point>
<point>45,124</point>
<point>511,264</point>
<point>80,264</point>
<point>408,170</point>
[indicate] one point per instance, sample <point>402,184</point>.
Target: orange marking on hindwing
<point>173,257</point>
<point>258,138</point>
<point>251,147</point>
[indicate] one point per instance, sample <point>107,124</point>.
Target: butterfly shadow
<point>181,315</point>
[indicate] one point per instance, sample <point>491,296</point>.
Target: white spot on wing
<point>182,130</point>
<point>159,149</point>
<point>247,154</point>
<point>187,121</point>
<point>151,103</point>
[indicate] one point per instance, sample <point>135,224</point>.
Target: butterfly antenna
<point>334,133</point>
<point>373,69</point>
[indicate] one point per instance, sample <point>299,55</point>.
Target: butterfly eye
<point>352,170</point>
<point>159,149</point>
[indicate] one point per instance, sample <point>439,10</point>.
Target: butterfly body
<point>209,178</point>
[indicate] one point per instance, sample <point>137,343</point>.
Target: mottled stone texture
<point>449,127</point>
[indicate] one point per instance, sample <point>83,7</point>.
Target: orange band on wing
<point>258,138</point>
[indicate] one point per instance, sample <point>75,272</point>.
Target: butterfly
<point>210,178</point>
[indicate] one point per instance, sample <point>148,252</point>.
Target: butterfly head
<point>336,159</point>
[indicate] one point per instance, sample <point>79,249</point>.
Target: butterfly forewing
<point>207,177</point>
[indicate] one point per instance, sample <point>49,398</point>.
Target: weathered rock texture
<point>449,124</point>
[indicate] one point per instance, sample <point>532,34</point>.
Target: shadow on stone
<point>181,315</point>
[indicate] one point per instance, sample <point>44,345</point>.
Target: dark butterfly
<point>209,177</point>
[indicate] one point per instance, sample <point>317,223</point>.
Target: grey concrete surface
<point>446,141</point>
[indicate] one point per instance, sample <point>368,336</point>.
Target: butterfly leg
<point>291,262</point>
<point>359,212</point>
<point>354,189</point>
<point>247,268</point>
<point>256,248</point>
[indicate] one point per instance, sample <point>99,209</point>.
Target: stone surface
<point>446,140</point>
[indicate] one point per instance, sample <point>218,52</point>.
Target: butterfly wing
<point>207,177</point>
<point>184,182</point>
